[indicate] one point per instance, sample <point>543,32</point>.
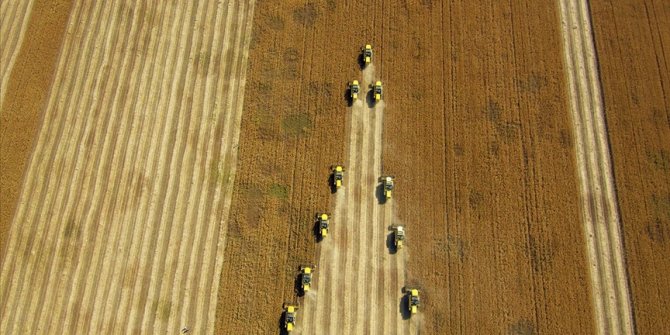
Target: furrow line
<point>167,242</point>
<point>161,102</point>
<point>144,228</point>
<point>90,196</point>
<point>117,154</point>
<point>116,132</point>
<point>197,200</point>
<point>37,239</point>
<point>179,235</point>
<point>109,306</point>
<point>223,192</point>
<point>194,155</point>
<point>68,227</point>
<point>34,173</point>
<point>129,264</point>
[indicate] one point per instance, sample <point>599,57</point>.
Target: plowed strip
<point>124,212</point>
<point>599,209</point>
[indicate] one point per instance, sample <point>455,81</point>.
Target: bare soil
<point>633,44</point>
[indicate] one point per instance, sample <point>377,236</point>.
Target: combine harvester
<point>367,54</point>
<point>398,236</point>
<point>378,90</point>
<point>414,299</point>
<point>354,89</point>
<point>289,316</point>
<point>338,175</point>
<point>323,219</point>
<point>389,184</point>
<point>306,277</point>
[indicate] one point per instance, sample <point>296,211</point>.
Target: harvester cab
<point>378,89</point>
<point>289,316</point>
<point>389,184</point>
<point>323,224</point>
<point>338,175</point>
<point>306,277</point>
<point>354,89</point>
<point>367,54</point>
<point>399,236</point>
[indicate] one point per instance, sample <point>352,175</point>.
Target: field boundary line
<point>600,217</point>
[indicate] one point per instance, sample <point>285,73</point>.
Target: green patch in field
<point>660,159</point>
<point>278,191</point>
<point>306,14</point>
<point>204,58</point>
<point>276,23</point>
<point>164,308</point>
<point>296,124</point>
<point>522,327</point>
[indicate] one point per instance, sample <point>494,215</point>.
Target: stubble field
<point>130,205</point>
<point>118,225</point>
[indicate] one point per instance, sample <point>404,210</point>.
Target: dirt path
<point>359,283</point>
<point>125,207</point>
<point>599,213</point>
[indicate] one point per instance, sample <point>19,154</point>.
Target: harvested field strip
<point>14,17</point>
<point>633,45</point>
<point>28,75</point>
<point>358,279</point>
<point>599,209</point>
<point>124,212</point>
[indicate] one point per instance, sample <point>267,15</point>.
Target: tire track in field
<point>359,277</point>
<point>14,18</point>
<point>138,89</point>
<point>600,215</point>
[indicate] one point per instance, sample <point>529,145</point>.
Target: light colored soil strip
<point>600,215</point>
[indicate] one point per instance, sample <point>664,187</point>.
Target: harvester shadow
<point>347,97</point>
<point>316,230</point>
<point>390,243</point>
<point>370,98</point>
<point>331,184</point>
<point>297,286</point>
<point>404,307</point>
<point>282,330</point>
<point>379,194</point>
<point>361,61</point>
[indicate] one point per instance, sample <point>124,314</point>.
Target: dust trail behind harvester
<point>359,282</point>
